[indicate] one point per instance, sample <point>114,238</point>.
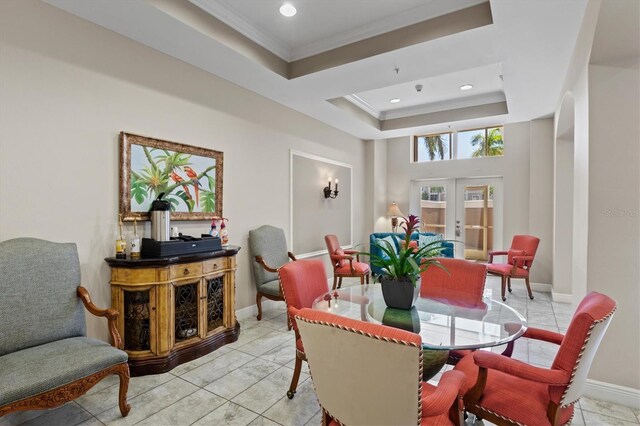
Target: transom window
<point>485,142</point>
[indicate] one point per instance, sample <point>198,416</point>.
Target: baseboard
<point>252,311</point>
<point>541,287</point>
<point>561,297</point>
<point>622,395</point>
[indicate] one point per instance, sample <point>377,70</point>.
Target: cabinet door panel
<point>139,319</point>
<point>186,307</point>
<point>215,292</point>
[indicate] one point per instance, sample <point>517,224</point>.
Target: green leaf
<point>188,201</point>
<point>208,201</point>
<point>212,183</point>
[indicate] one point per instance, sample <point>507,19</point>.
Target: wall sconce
<point>394,212</point>
<point>328,193</point>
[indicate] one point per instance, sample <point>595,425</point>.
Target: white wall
<point>614,214</point>
<point>604,78</point>
<point>68,87</point>
<point>376,164</point>
<point>514,167</point>
<point>541,197</point>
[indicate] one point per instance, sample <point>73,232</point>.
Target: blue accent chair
<point>375,270</point>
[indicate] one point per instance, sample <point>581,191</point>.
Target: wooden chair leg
<point>526,280</point>
<point>339,282</point>
<point>123,373</point>
<point>335,282</point>
<point>296,376</point>
<point>509,283</point>
<point>361,279</point>
<point>504,287</point>
<point>259,304</point>
<point>367,279</point>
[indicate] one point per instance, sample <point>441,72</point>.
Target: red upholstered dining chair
<point>461,285</point>
<point>302,282</point>
<point>519,260</point>
<point>343,263</point>
<point>507,391</point>
<point>375,376</point>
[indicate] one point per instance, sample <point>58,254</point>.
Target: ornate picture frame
<point>190,177</point>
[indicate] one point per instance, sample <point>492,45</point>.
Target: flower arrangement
<point>410,260</point>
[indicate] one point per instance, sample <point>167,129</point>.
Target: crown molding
<point>363,105</point>
<point>470,101</point>
<point>432,9</point>
<point>235,21</point>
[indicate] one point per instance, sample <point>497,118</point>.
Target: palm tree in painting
<point>493,145</point>
<point>435,146</point>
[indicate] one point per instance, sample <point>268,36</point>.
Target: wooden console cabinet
<point>174,309</point>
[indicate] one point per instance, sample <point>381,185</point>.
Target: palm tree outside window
<point>485,142</point>
<point>432,147</point>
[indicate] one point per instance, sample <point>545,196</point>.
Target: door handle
<point>458,231</point>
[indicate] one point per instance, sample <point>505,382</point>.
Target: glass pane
<point>433,205</point>
<point>136,320</point>
<point>186,306</point>
<point>215,288</point>
<point>471,143</point>
<point>434,147</point>
<point>495,145</point>
<point>475,219</point>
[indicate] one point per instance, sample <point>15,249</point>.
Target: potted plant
<point>400,278</point>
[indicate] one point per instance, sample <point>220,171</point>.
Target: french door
<point>467,210</point>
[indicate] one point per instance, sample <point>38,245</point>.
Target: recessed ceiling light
<point>466,87</point>
<point>288,10</point>
<point>394,100</point>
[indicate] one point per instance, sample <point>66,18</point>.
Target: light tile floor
<point>244,383</point>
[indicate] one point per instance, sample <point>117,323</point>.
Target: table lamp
<point>394,212</point>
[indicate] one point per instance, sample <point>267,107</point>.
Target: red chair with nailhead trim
<point>519,261</point>
<point>370,374</point>
<point>506,391</point>
<point>301,283</point>
<point>461,286</point>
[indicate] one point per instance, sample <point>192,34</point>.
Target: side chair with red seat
<point>302,282</point>
<point>461,285</point>
<point>343,263</point>
<point>375,376</point>
<point>509,392</point>
<point>519,261</point>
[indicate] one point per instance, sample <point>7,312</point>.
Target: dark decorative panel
<point>136,320</point>
<point>215,306</point>
<point>186,308</point>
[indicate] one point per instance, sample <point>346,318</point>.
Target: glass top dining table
<point>443,324</point>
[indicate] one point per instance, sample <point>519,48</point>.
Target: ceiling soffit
<point>456,22</point>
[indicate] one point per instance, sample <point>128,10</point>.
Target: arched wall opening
<point>563,214</point>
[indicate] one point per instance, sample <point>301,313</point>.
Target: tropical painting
<point>189,177</point>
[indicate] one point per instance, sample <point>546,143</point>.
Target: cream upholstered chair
<point>370,374</point>
<point>510,392</point>
<point>268,247</point>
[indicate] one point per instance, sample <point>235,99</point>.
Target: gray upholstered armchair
<point>268,246</point>
<point>46,359</point>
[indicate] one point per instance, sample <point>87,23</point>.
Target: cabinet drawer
<point>133,276</point>
<point>214,265</point>
<point>185,270</point>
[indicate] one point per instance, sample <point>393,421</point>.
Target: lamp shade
<point>394,210</point>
